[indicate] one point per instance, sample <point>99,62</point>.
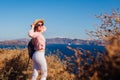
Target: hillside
<point>53,41</point>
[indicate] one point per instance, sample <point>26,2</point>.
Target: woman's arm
<point>31,33</point>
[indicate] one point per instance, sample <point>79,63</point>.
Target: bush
<point>14,66</point>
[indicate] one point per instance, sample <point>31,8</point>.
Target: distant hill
<point>14,42</point>
<point>53,41</point>
<point>72,41</point>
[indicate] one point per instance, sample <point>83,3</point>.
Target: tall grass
<point>102,66</point>
<point>13,66</point>
<point>83,65</point>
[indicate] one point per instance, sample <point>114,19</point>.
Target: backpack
<point>31,49</point>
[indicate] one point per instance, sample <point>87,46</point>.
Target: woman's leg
<point>35,71</point>
<point>44,68</point>
<point>40,63</point>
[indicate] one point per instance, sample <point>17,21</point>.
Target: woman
<point>39,61</point>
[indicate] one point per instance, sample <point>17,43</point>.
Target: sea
<point>61,48</point>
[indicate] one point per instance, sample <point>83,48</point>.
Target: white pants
<point>39,63</point>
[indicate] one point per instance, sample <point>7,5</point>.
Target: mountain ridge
<point>24,41</point>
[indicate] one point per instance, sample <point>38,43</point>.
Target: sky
<point>63,18</point>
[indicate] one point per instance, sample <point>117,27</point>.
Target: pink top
<point>38,38</point>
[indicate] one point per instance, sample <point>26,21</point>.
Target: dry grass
<point>109,32</point>
<point>103,66</point>
<point>83,65</point>
<point>14,62</point>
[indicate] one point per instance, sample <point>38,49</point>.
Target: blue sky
<point>63,18</point>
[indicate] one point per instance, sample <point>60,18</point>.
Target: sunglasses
<point>39,25</point>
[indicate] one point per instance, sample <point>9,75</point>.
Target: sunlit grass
<point>82,65</point>
<point>13,66</point>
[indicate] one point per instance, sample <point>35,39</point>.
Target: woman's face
<point>40,27</point>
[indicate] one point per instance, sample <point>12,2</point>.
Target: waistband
<point>41,50</point>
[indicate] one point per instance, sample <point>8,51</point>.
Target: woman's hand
<point>32,26</point>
